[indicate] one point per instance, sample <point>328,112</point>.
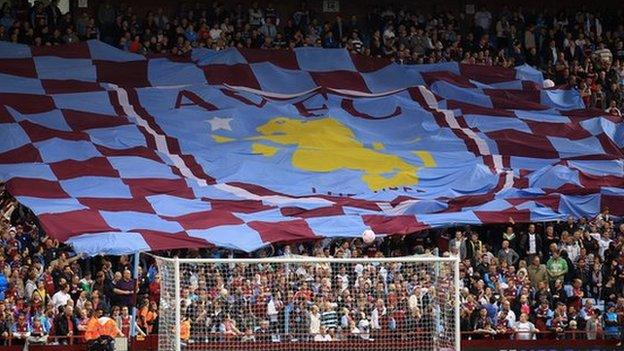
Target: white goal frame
<point>454,260</point>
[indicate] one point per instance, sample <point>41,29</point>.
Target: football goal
<point>309,303</point>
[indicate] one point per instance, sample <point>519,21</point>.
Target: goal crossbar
<point>311,259</point>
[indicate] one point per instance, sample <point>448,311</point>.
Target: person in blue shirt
<point>611,325</point>
<point>190,34</point>
<point>4,285</point>
<point>330,42</point>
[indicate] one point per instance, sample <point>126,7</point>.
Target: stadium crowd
<point>577,49</point>
<point>516,281</point>
<point>544,277</point>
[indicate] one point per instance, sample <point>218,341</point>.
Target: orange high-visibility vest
<point>93,329</point>
<point>108,327</point>
<point>185,330</point>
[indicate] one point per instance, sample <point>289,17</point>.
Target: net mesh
<point>167,317</point>
<point>328,305</point>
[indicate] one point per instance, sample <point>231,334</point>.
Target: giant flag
<point>118,153</point>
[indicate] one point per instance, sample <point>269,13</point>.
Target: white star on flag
<point>220,123</point>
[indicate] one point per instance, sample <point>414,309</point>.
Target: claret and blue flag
<point>118,153</point>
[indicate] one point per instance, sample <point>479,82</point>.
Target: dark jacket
<point>523,245</point>
<point>61,326</point>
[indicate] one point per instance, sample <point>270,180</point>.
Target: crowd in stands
<point>544,277</point>
<point>575,48</point>
<point>522,280</point>
<point>555,277</point>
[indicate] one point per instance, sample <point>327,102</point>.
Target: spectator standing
<point>507,254</point>
<point>524,329</point>
<point>557,267</point>
<point>483,20</point>
<point>125,289</point>
<point>530,244</point>
<point>611,322</point>
<point>457,244</point>
<point>474,247</point>
<point>60,298</point>
<point>65,326</point>
<point>315,320</point>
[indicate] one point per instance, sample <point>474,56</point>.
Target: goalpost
<point>309,303</point>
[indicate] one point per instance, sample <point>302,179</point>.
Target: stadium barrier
<point>547,341</point>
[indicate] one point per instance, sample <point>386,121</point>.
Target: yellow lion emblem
<point>326,145</point>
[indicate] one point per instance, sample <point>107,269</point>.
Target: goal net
<point>309,303</point>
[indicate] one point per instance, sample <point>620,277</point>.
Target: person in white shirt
<point>378,312</point>
<point>603,242</point>
<point>524,329</point>
<point>343,279</point>
<point>215,32</point>
<point>323,336</point>
<point>388,34</point>
<point>511,315</point>
<point>61,297</point>
<point>363,327</point>
<point>315,320</point>
<point>571,246</point>
<point>483,19</point>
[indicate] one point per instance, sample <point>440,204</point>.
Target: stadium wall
<point>362,7</point>
<point>151,344</point>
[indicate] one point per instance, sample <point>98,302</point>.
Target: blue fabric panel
<point>133,167</point>
<point>120,137</point>
<point>109,243</point>
<point>130,221</point>
<point>275,79</point>
<point>55,149</point>
<point>97,187</point>
<point>173,206</point>
<point>324,60</point>
<point>42,206</point>
<point>238,237</point>
<point>50,67</point>
<point>20,85</point>
<point>163,72</point>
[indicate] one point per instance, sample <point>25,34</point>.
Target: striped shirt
<point>329,319</point>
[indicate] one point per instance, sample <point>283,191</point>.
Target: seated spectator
<point>248,336</point>
<point>185,329</point>
<point>263,334</point>
<point>39,333</point>
<point>229,328</point>
<point>323,335</point>
<point>21,329</point>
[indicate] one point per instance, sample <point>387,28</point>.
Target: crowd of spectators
<point>575,48</point>
<point>563,278</point>
<point>522,281</point>
<point>544,277</point>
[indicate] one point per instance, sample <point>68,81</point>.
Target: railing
<point>386,340</point>
<point>549,334</point>
<point>74,343</point>
<point>52,339</point>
